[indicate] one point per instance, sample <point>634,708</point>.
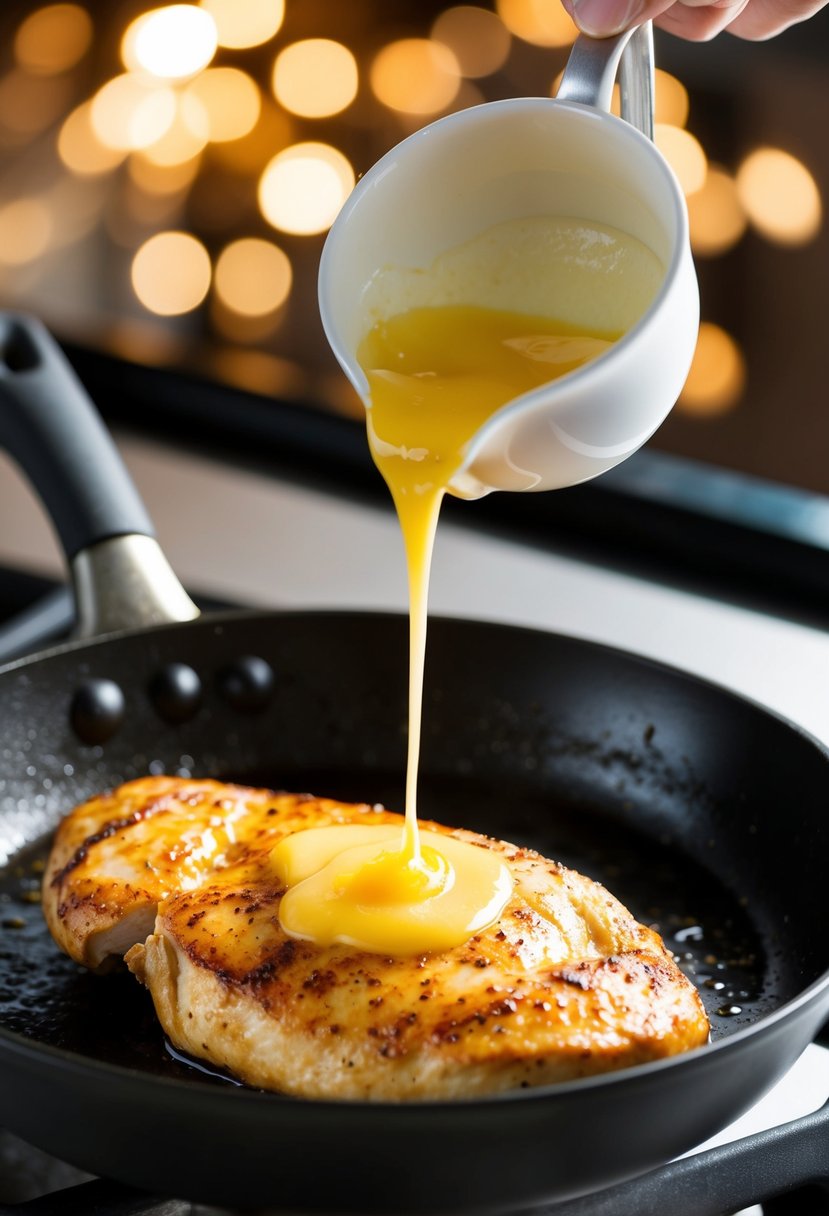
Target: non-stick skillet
<point>705,813</point>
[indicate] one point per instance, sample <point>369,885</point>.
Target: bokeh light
<point>30,103</point>
<point>718,373</point>
<point>81,150</point>
<point>780,196</point>
<point>53,39</point>
<point>141,212</point>
<point>315,78</point>
<point>477,38</point>
<point>186,135</point>
<point>304,187</point>
<point>245,23</point>
<point>171,273</point>
<point>670,99</point>
<point>715,214</point>
<point>415,76</point>
<point>258,372</point>
<point>252,277</point>
<point>685,155</point>
<point>129,113</point>
<point>172,43</point>
<point>542,22</point>
<point>25,229</point>
<point>231,100</point>
<point>76,210</point>
<point>154,178</point>
<point>272,131</point>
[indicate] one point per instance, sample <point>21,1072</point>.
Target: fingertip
<point>604,18</point>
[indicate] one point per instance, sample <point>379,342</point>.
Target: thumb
<point>603,18</point>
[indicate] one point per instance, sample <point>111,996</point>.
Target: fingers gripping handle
<point>49,426</point>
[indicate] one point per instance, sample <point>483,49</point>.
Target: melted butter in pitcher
<point>438,368</point>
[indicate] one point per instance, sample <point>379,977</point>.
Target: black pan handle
<point>721,1180</point>
<point>50,427</point>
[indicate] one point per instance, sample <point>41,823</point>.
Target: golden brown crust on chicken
<point>565,985</point>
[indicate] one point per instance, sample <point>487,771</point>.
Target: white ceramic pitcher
<point>520,158</point>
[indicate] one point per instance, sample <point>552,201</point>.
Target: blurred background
<point>168,174</point>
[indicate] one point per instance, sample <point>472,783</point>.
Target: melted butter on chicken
<point>177,875</point>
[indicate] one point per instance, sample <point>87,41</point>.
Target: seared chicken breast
<point>176,875</point>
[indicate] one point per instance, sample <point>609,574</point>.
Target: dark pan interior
<point>701,812</point>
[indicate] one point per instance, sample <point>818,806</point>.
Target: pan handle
<point>724,1179</point>
<point>49,426</point>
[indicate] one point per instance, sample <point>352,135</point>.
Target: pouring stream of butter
<point>438,368</point>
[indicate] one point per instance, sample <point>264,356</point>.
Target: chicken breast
<point>176,875</point>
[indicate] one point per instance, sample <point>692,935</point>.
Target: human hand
<point>697,20</point>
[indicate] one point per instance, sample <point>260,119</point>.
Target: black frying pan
<point>702,811</point>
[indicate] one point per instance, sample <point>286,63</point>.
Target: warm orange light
<point>670,99</point>
<point>25,229</point>
<point>469,94</point>
<point>29,103</point>
<point>77,210</point>
<point>231,101</point>
<point>477,38</point>
<point>415,76</point>
<point>258,372</point>
<point>173,42</point>
<point>340,396</point>
<point>140,212</point>
<point>171,273</point>
<point>243,23</point>
<point>315,78</point>
<point>716,217</point>
<point>718,373</point>
<point>53,39</point>
<point>186,135</point>
<point>253,277</point>
<point>129,113</point>
<point>780,196</point>
<point>304,187</point>
<point>81,150</point>
<point>684,154</point>
<point>153,178</point>
<point>543,22</point>
<point>271,133</point>
<point>244,330</point>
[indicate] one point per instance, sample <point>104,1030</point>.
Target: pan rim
<point>234,615</point>
<point>74,1062</point>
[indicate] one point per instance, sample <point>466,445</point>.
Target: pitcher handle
<point>593,66</point>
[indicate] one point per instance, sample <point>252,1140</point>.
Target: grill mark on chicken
<point>109,829</point>
<point>567,984</point>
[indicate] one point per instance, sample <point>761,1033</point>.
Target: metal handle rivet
<point>176,692</point>
<point>246,684</point>
<point>97,710</point>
